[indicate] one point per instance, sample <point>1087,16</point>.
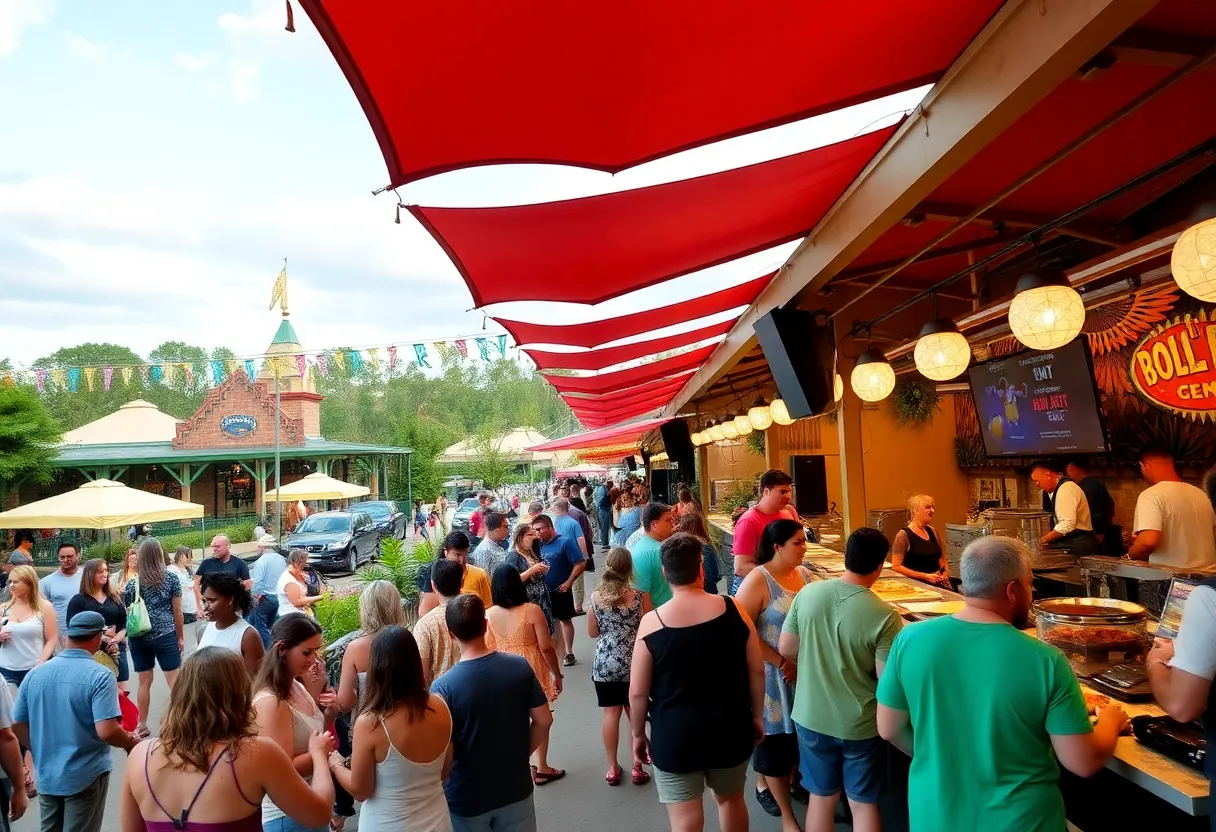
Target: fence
<point>103,542</point>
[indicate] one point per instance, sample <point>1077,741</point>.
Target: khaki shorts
<point>680,788</point>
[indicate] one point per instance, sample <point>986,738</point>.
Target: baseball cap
<point>86,624</point>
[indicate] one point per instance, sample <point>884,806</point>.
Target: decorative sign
<point>1174,367</point>
<point>236,426</point>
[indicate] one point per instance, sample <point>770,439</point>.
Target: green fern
<point>399,566</point>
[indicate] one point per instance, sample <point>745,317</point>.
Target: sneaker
<point>768,803</point>
<point>798,793</point>
<point>569,661</point>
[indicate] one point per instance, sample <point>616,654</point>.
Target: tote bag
<point>138,622</point>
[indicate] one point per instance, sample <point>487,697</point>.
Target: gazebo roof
<point>136,421</point>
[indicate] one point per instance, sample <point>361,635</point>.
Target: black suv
<point>390,520</point>
<point>337,541</point>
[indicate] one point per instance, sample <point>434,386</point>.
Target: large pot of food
<point>1094,633</point>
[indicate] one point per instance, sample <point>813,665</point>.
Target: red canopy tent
<point>448,84</point>
<point>627,240</point>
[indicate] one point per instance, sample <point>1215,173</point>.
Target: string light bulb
<point>780,413</point>
<point>715,431</point>
<point>942,352</point>
<point>728,427</point>
<point>1193,262</point>
<point>758,414</point>
<point>1046,312</point>
<point>743,424</point>
<point>872,378</point>
<point>837,387</point>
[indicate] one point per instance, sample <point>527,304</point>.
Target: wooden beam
<point>871,269</point>
<point>1026,51</point>
<point>1113,236</point>
<point>1153,48</point>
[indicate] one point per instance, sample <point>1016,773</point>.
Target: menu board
<point>1175,600</point>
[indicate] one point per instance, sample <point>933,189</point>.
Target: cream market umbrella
<point>101,504</point>
<point>316,487</point>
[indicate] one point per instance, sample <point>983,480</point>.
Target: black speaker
<point>629,463</point>
<point>677,441</point>
<point>810,475</point>
<point>801,354</point>
<point>664,482</point>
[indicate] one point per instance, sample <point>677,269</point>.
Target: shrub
<point>338,615</point>
<point>399,567</point>
<point>116,550</point>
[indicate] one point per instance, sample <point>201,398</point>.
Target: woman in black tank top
<point>916,551</point>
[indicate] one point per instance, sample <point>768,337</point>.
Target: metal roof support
<point>1024,52</point>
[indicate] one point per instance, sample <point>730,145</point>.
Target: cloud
<point>194,63</point>
<point>91,51</point>
<point>244,80</point>
<point>15,16</point>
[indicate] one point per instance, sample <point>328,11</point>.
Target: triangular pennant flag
<point>217,371</point>
<point>502,345</point>
<point>8,379</point>
<point>229,366</point>
<point>301,365</point>
<point>40,379</point>
<point>89,373</point>
<point>392,359</point>
<point>323,364</point>
<point>168,372</point>
<point>420,355</point>
<point>107,375</point>
<point>443,348</point>
<point>158,373</point>
<point>73,378</point>
<point>145,372</point>
<point>356,361</point>
<point>483,347</point>
<point>340,360</point>
<point>373,358</point>
<point>188,372</point>
<point>125,373</point>
<point>60,377</point>
<point>251,369</point>
<point>463,346</point>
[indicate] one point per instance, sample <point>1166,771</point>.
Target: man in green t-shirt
<point>657,526</point>
<point>842,626</point>
<point>982,706</point>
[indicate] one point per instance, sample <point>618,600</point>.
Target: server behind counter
<point>1071,522</point>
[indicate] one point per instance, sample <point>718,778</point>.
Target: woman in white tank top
<point>403,744</point>
<point>225,600</point>
<point>28,631</point>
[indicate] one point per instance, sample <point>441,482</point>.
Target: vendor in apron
<point>1071,525</point>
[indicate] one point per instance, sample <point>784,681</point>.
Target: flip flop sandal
<point>541,778</point>
<point>614,776</point>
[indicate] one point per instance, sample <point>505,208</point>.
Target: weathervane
<point>279,293</point>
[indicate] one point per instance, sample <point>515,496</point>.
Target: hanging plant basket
<point>914,401</point>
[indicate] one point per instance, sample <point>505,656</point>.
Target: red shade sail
<point>619,242</point>
<point>448,84</point>
<point>601,358</point>
<point>614,398</point>
<point>621,379</point>
<point>594,333</point>
<point>618,435</point>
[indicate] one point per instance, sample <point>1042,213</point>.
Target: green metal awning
<point>133,453</point>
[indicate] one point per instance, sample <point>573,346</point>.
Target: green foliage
<point>338,616</point>
<point>28,436</point>
<point>755,442</point>
<point>398,566</point>
<point>914,400</point>
<point>116,549</point>
<point>489,465</point>
<point>738,497</point>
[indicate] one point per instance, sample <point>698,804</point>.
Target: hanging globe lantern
<point>728,427</point>
<point>942,352</point>
<point>697,441</point>
<point>873,378</point>
<point>1046,311</point>
<point>743,424</point>
<point>779,412</point>
<point>759,416</point>
<point>1193,262</point>
<point>715,431</point>
<point>837,387</point>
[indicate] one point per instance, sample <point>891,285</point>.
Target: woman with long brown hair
<point>162,644</point>
<point>402,745</point>
<point>208,744</point>
<point>694,524</point>
<point>286,712</point>
<point>616,612</point>
<point>127,573</point>
<point>99,595</point>
<point>525,558</point>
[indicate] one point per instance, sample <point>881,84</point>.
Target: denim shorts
<point>14,677</point>
<point>149,651</point>
<point>286,824</point>
<point>828,763</point>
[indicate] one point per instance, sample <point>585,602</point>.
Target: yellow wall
<point>734,462</point>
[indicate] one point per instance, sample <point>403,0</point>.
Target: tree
<point>490,464</point>
<point>28,438</point>
<point>73,409</point>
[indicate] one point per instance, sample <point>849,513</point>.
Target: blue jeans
<point>605,526</point>
<point>265,613</point>
<point>286,824</point>
<point>514,817</point>
<point>829,764</point>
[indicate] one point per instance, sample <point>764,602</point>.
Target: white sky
<point>158,161</point>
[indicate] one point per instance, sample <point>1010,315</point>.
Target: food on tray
<point>1091,638</point>
<point>1095,701</point>
<point>889,589</point>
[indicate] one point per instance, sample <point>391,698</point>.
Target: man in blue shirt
<point>67,715</point>
<point>499,717</point>
<point>267,570</point>
<point>603,507</point>
<point>566,564</point>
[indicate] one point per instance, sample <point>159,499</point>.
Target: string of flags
<point>212,372</point>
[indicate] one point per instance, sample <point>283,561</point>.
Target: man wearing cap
<point>267,570</point>
<point>67,715</point>
<point>17,557</point>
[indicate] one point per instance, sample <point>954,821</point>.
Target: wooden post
<point>703,475</point>
<point>852,465</point>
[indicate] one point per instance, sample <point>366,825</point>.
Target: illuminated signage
<point>1174,367</point>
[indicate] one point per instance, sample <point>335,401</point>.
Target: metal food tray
<point>916,593</point>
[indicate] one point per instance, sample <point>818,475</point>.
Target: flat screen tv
<point>1039,403</point>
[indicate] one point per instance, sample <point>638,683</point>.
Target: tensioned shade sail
<point>594,333</point>
<point>662,390</point>
<point>610,356</point>
<point>100,504</point>
<point>621,379</point>
<point>617,435</point>
<point>316,487</point>
<point>623,411</point>
<point>447,84</point>
<point>619,242</point>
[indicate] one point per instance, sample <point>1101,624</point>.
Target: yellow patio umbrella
<point>316,487</point>
<point>100,504</point>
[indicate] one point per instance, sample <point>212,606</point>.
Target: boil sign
<point>1174,367</point>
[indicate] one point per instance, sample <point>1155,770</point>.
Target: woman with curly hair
<point>227,603</point>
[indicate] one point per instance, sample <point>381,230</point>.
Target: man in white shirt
<point>1174,520</point>
<point>1072,525</point>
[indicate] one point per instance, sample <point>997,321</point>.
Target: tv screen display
<point>1039,403</point>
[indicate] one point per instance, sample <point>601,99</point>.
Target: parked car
<point>337,541</point>
<point>387,516</point>
<point>460,520</point>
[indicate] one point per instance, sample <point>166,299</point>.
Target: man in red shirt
<point>776,491</point>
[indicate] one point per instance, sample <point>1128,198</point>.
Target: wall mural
<point>1170,340</point>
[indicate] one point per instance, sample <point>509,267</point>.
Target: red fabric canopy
<point>619,242</point>
<point>601,358</point>
<point>594,333</point>
<point>614,398</point>
<point>635,406</point>
<point>621,379</point>
<point>447,84</point>
<point>620,434</point>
